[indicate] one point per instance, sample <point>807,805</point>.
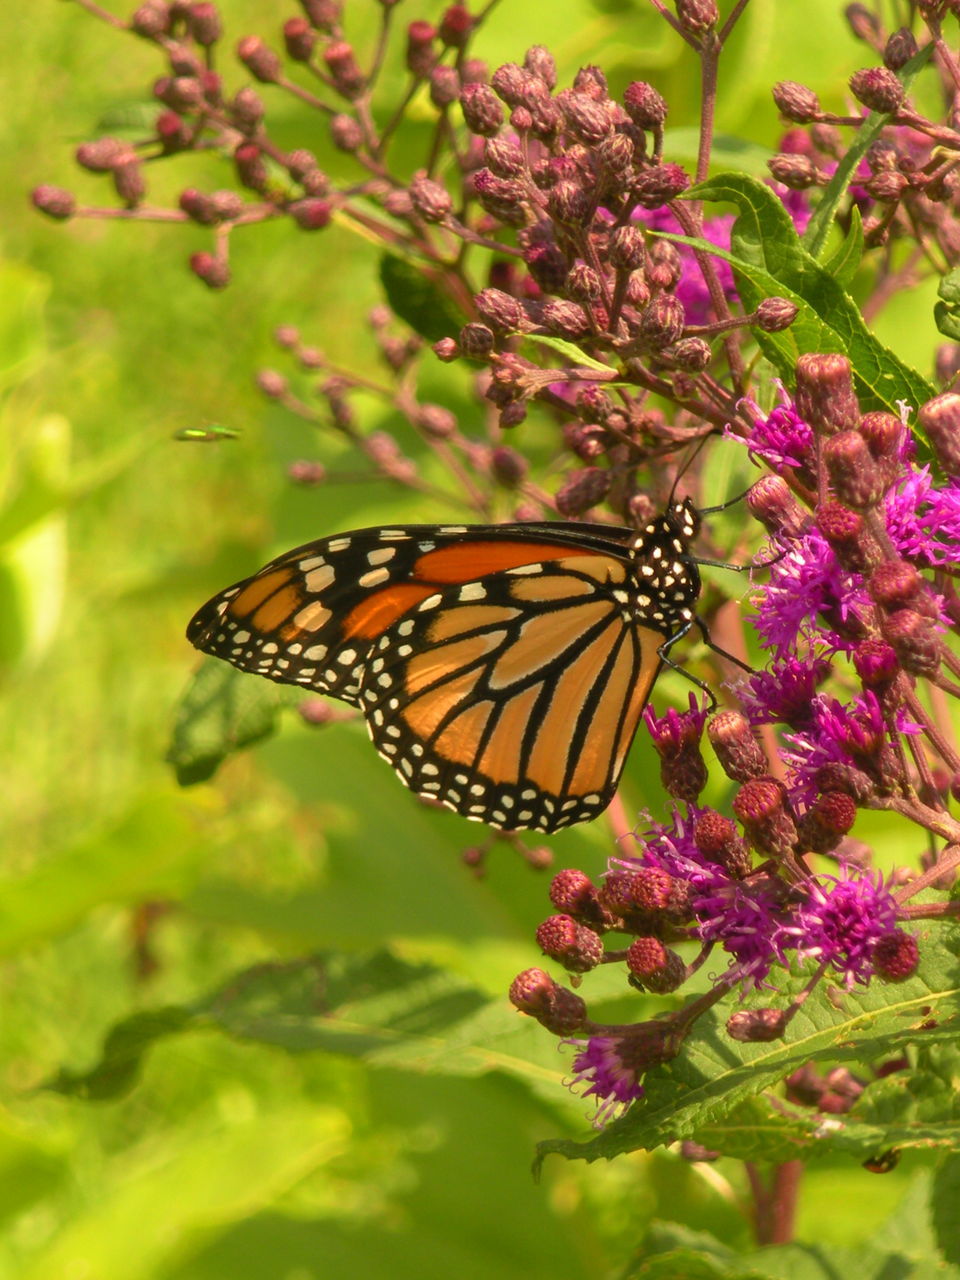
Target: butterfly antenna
<point>722,506</point>
<point>685,467</point>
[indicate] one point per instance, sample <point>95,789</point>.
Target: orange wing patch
<point>371,617</point>
<point>469,617</point>
<point>427,668</point>
<point>544,638</point>
<point>596,763</point>
<point>501,759</point>
<point>458,742</point>
<point>549,758</point>
<point>276,609</point>
<point>426,713</point>
<point>650,663</point>
<point>257,591</point>
<point>465,561</point>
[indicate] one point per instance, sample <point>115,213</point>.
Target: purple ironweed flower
<point>784,691</point>
<point>675,729</point>
<point>604,1068</point>
<point>924,521</point>
<point>746,919</point>
<point>858,728</point>
<point>781,438</point>
<point>804,584</point>
<point>741,917</point>
<point>843,924</point>
<point>691,290</point>
<point>840,733</point>
<point>671,847</point>
<point>676,737</point>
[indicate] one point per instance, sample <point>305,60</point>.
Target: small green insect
<point>210,434</point>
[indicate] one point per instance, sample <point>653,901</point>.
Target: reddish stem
<point>775,1205</point>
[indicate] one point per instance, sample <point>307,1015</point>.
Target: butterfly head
<point>684,519</point>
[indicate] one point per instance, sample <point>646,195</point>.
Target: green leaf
<point>949,287</point>
<point>378,1009</point>
<point>223,710</point>
<point>123,1050</point>
<point>726,151</point>
<point>135,859</point>
<point>672,1250</point>
<point>947,321</point>
<point>332,774</point>
<point>416,298</point>
<point>830,1262</point>
<point>769,261</point>
<point>918,1109</point>
<point>128,119</point>
<point>23,343</point>
<point>47,483</point>
<point>818,228</point>
<point>844,263</point>
<point>32,1167</point>
<point>147,1223</point>
<point>946,313</point>
<point>569,350</point>
<point>923,1103</point>
<point>713,1073</point>
<point>943,1204</point>
<point>688,1265</point>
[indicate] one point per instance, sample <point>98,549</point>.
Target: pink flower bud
<point>214,272</point>
<point>260,61</point>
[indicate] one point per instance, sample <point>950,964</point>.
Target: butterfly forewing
<point>310,616</point>
<point>501,669</point>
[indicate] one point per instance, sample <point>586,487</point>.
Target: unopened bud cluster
<point>910,187</point>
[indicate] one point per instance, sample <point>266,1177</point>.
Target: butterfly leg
<point>664,654</point>
<point>737,662</point>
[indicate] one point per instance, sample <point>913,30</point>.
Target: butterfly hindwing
<point>514,699</point>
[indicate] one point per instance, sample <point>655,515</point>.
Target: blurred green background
<point>234,1153</point>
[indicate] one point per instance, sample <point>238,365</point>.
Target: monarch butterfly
<point>501,669</point>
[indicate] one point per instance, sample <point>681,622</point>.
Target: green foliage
<point>222,711</point>
<point>946,312</point>
<point>377,1009</point>
<point>818,229</point>
<point>944,1200</point>
<point>258,1028</point>
<point>417,299</point>
<point>769,261</point>
<point>697,1094</point>
<point>846,259</point>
